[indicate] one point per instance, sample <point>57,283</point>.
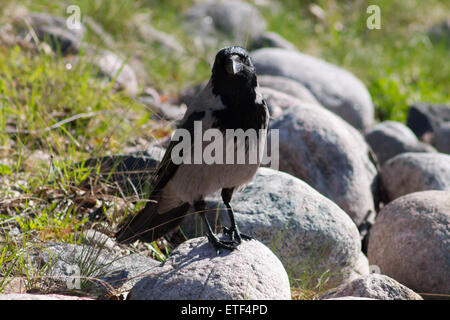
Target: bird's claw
<point>235,235</point>
<point>221,244</point>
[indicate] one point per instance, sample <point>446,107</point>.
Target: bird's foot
<point>221,244</point>
<point>235,235</point>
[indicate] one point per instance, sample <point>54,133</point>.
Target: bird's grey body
<point>196,181</point>
<point>230,100</point>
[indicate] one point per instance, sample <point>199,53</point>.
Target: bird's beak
<point>232,66</point>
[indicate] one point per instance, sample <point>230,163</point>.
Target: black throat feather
<point>238,95</point>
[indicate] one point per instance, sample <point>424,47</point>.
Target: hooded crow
<point>230,100</point>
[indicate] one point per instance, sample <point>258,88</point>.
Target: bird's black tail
<point>148,225</point>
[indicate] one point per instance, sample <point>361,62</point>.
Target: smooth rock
<point>320,148</point>
<point>412,172</point>
<point>335,88</point>
<point>424,119</point>
<point>132,173</point>
<point>389,138</point>
<point>442,138</point>
<point>232,20</point>
<point>287,86</point>
<point>193,271</point>
<point>310,234</point>
<point>271,40</point>
<point>277,101</point>
<point>374,286</point>
<point>98,239</point>
<point>410,241</point>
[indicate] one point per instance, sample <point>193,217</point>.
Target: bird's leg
<point>233,231</point>
<point>213,239</point>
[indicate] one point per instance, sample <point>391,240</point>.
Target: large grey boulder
<point>410,241</point>
<point>287,86</point>
<point>95,238</point>
<point>214,21</point>
<point>442,138</point>
<point>323,150</point>
<point>389,138</point>
<point>194,271</point>
<point>271,40</point>
<point>412,172</point>
<point>132,173</point>
<point>335,88</point>
<point>374,286</point>
<point>424,119</point>
<point>277,101</point>
<point>310,234</point>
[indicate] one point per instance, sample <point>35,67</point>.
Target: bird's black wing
<point>167,168</point>
<point>147,224</point>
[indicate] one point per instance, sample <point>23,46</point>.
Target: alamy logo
<point>73,279</point>
<point>232,147</point>
<point>73,22</point>
<point>374,20</point>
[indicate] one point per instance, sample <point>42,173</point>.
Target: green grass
<point>398,63</point>
<point>121,19</point>
<point>43,194</point>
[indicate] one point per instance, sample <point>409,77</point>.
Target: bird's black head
<point>233,75</point>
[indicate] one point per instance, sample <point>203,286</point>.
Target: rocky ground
<point>359,209</point>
